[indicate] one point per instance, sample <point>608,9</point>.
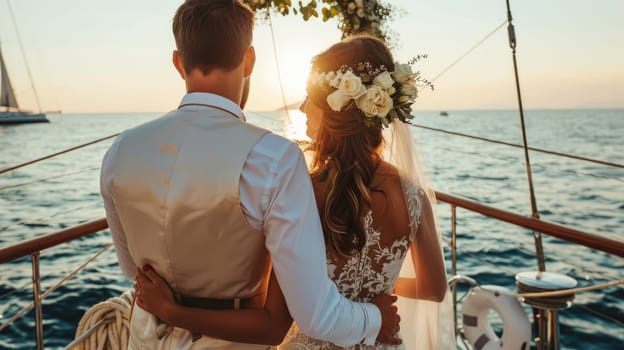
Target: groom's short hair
<point>213,34</point>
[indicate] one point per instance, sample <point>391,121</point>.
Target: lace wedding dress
<point>368,273</point>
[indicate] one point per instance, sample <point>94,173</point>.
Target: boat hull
<point>22,118</point>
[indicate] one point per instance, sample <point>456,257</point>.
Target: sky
<point>111,56</point>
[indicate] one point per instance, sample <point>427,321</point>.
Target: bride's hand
<point>153,294</point>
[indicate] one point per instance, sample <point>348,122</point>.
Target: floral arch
<point>354,16</point>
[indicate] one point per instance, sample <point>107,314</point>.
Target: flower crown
<point>379,94</point>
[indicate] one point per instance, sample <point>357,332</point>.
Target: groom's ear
<point>250,61</point>
<point>178,64</point>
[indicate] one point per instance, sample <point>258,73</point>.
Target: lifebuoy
<point>516,327</point>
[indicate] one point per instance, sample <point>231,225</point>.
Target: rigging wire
<point>565,155</point>
<point>505,160</point>
<point>279,74</point>
<point>597,161</point>
<point>57,153</point>
<point>468,51</point>
<point>19,39</point>
<point>539,250</point>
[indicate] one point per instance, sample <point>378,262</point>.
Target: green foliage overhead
<point>354,16</point>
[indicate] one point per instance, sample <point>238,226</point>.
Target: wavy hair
<point>346,150</point>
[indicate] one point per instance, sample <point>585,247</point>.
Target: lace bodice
<point>372,271</point>
<point>368,273</point>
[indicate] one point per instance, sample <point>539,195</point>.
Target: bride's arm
<point>256,326</point>
<point>426,253</point>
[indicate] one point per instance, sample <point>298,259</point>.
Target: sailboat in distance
<point>12,114</point>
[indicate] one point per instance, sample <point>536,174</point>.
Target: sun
<point>294,68</point>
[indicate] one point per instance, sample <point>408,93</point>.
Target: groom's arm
<point>295,240</point>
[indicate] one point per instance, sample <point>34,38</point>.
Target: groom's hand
<point>389,319</point>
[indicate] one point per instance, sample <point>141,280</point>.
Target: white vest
<point>177,196</point>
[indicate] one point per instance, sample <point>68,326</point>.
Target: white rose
<point>351,85</point>
<point>360,13</point>
<point>336,100</point>
<point>402,72</point>
<point>351,6</point>
<point>375,102</point>
<point>384,80</point>
<point>359,3</point>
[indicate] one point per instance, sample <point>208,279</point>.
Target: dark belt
<point>215,304</point>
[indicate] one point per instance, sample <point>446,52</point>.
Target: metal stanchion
<point>37,300</point>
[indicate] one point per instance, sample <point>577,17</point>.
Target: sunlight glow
<point>294,68</point>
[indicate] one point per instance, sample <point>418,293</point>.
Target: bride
<point>374,203</point>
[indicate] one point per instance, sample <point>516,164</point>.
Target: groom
<point>210,202</point>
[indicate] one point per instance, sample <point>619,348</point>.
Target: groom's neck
<point>228,84</point>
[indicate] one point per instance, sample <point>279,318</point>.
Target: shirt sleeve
<point>295,240</point>
<point>107,190</point>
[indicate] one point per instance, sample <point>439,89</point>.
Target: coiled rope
<point>114,313</point>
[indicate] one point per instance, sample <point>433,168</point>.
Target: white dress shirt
<point>277,198</point>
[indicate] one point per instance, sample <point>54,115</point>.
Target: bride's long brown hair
<point>346,150</point>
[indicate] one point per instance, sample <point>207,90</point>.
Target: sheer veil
<point>424,324</point>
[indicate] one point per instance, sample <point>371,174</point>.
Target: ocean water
<point>62,192</point>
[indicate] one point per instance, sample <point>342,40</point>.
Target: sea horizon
<point>415,110</point>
